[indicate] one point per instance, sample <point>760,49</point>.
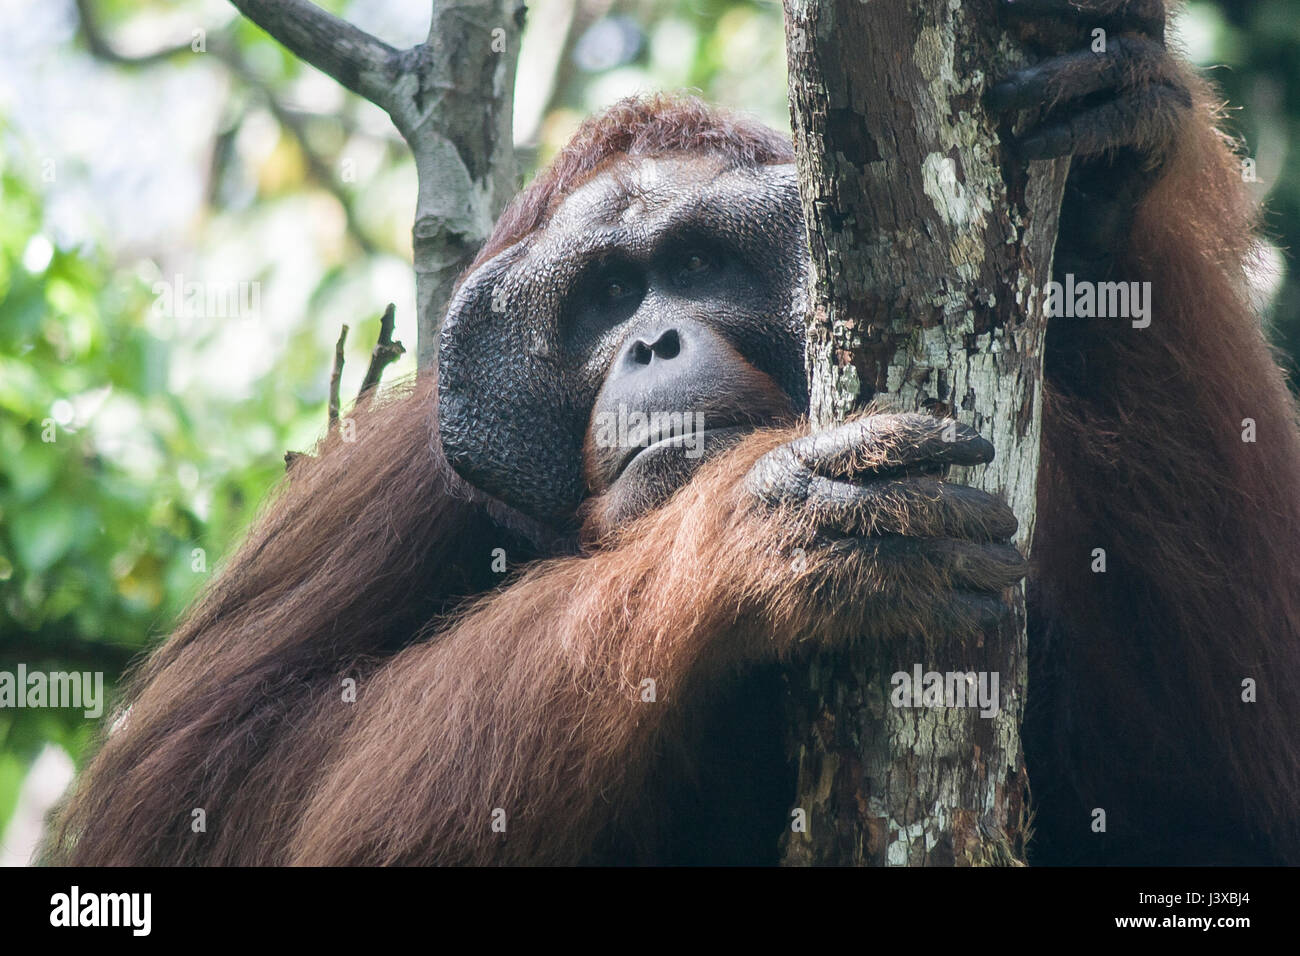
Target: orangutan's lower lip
<point>676,441</point>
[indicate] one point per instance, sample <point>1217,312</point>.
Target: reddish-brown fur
<point>528,698</point>
<point>1202,589</point>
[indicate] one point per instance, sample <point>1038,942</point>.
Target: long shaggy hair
<point>525,699</point>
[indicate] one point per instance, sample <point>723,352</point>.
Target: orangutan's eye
<point>693,263</point>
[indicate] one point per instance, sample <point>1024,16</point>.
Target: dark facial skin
<point>672,287</point>
<point>676,394</point>
<point>650,323</point>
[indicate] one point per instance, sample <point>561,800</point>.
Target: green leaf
<point>43,533</point>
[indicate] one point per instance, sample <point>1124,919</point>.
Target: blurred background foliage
<point>137,156</point>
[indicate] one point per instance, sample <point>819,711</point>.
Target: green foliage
<point>117,495</point>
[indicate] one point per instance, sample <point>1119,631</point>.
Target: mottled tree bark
<point>452,100</point>
<point>929,241</point>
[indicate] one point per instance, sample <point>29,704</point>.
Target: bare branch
<point>365,65</point>
<point>335,377</point>
<point>385,352</point>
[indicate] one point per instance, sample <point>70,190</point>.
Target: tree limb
<point>335,377</point>
<point>385,352</point>
<point>451,99</point>
<point>365,65</point>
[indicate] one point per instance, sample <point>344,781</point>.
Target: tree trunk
<point>452,99</point>
<point>463,88</point>
<point>929,244</point>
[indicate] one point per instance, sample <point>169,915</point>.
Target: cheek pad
<point>506,417</point>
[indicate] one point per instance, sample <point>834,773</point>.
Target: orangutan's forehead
<point>635,193</point>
